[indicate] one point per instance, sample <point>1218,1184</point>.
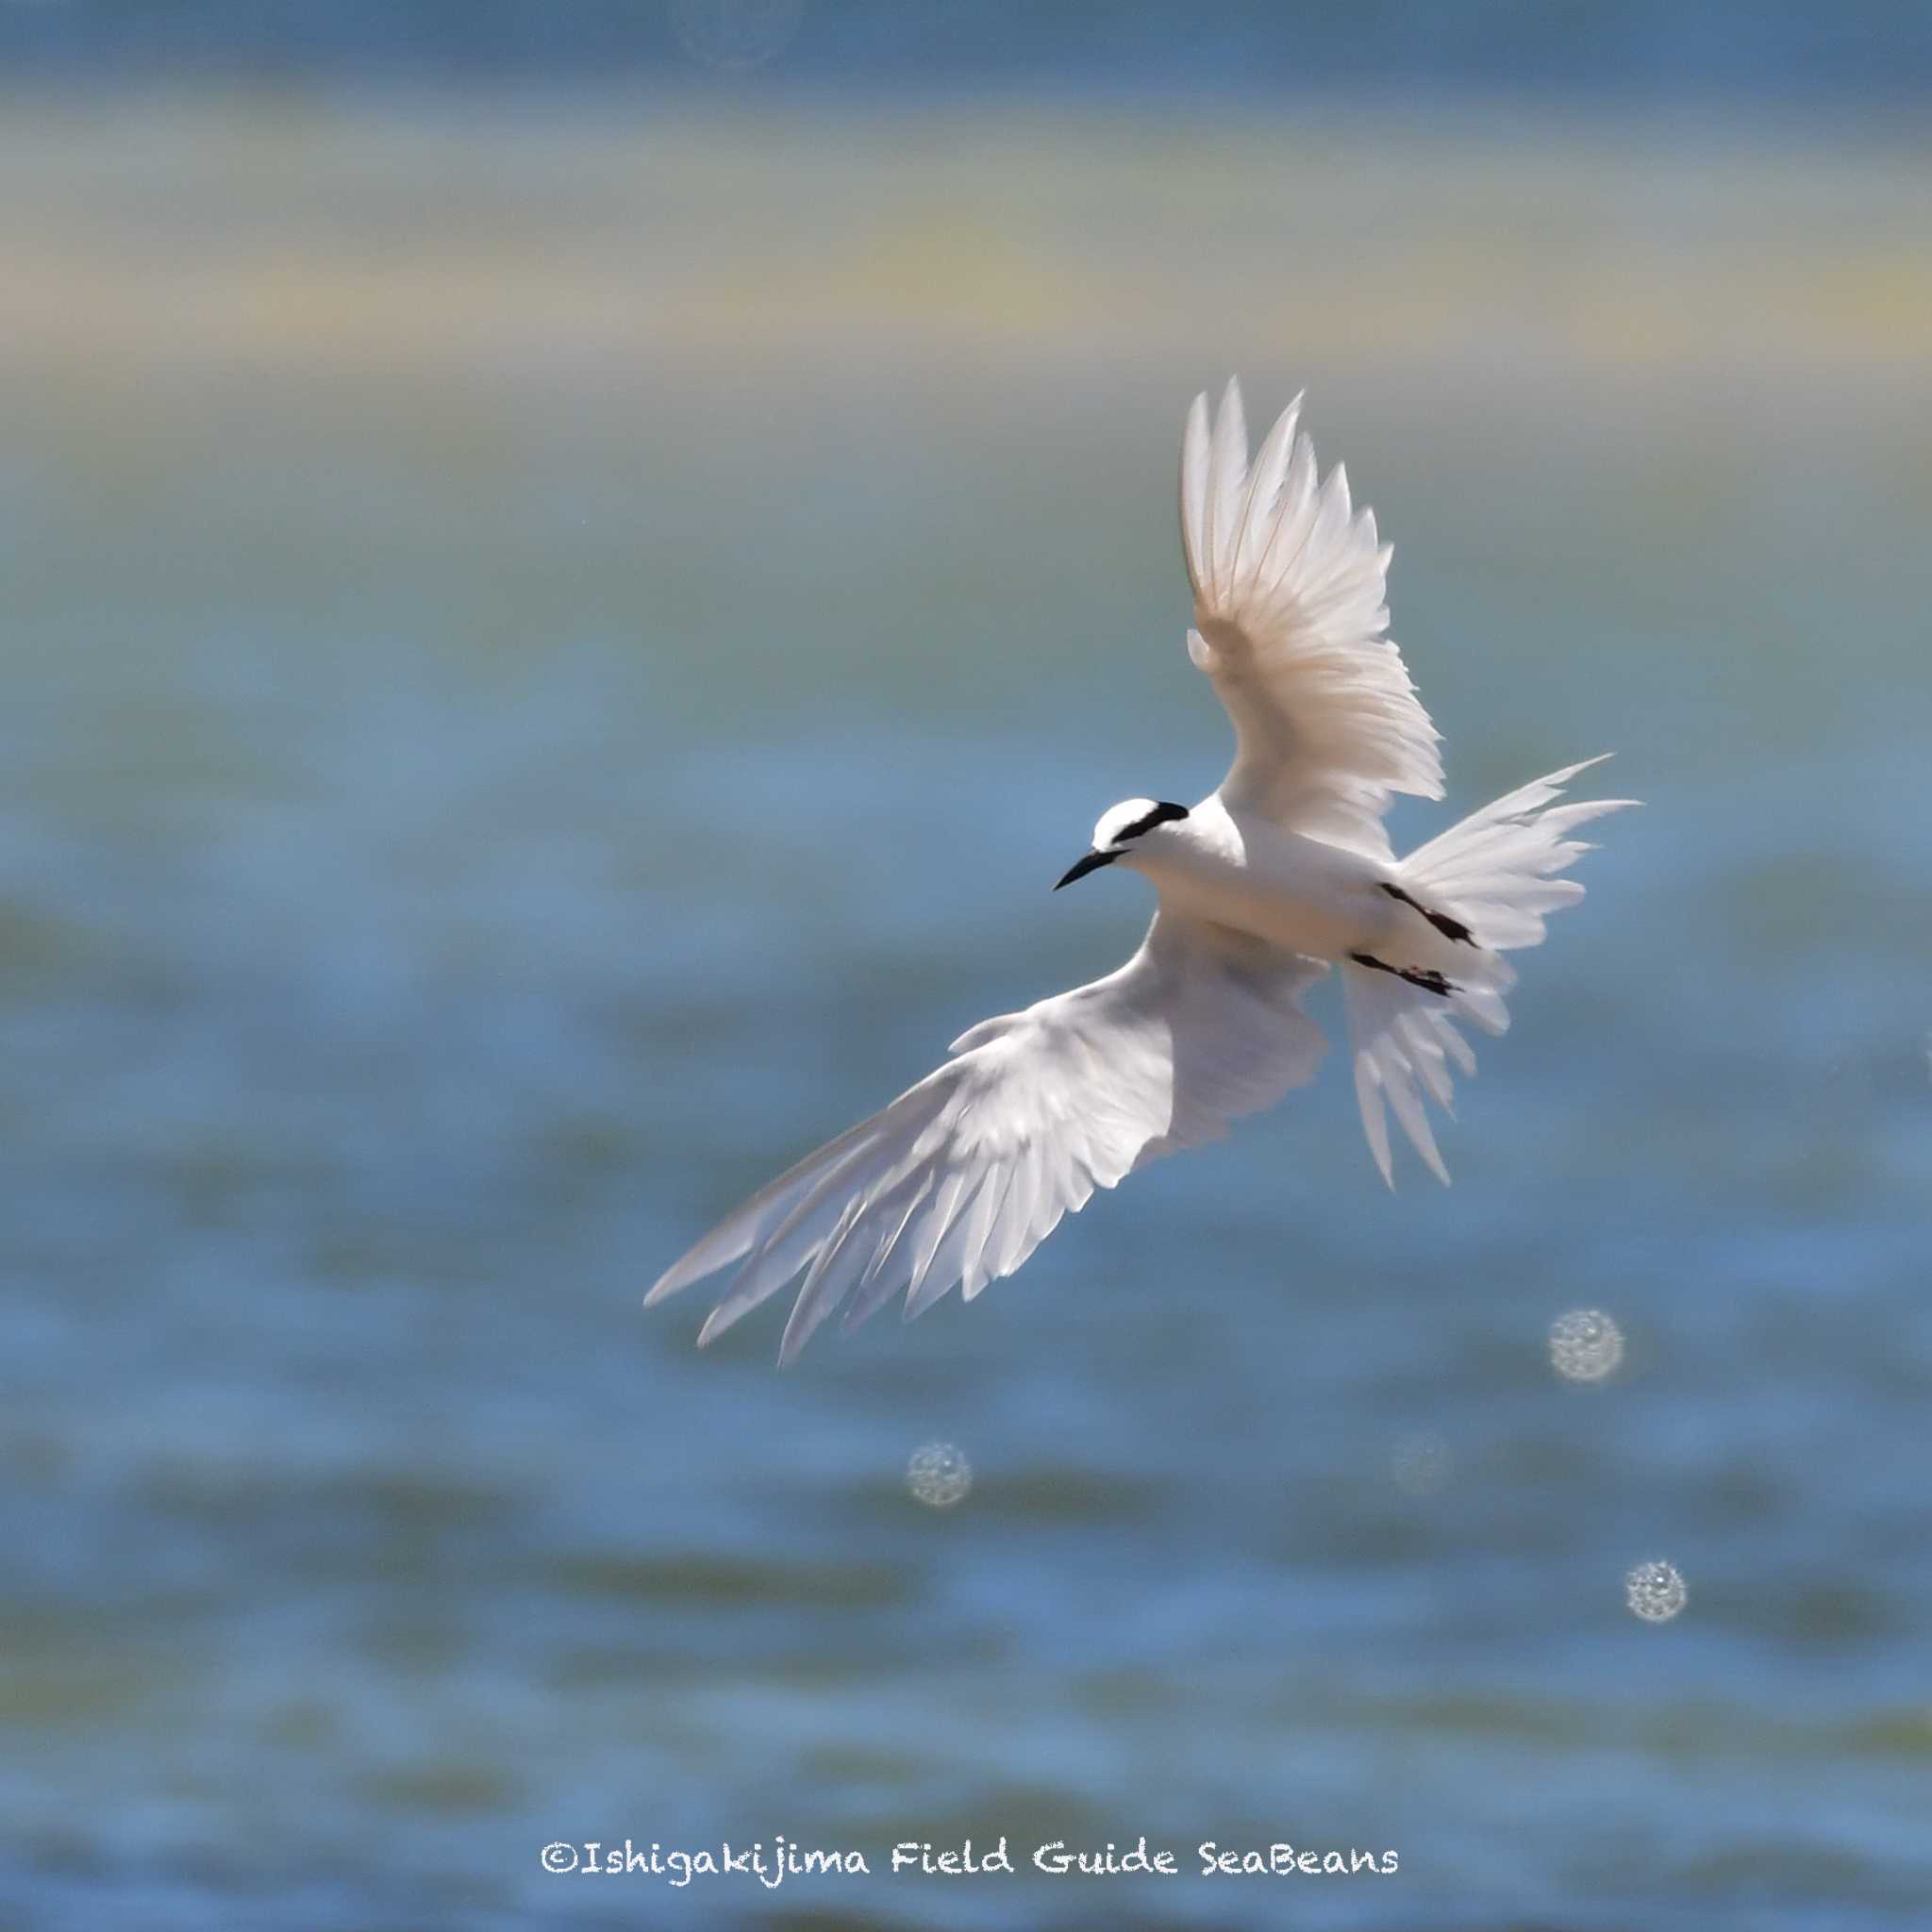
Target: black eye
<point>1147,820</point>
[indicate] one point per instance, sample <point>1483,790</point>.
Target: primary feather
<point>1290,619</point>
<point>962,1176</point>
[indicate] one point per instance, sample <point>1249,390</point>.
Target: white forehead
<point>1116,818</point>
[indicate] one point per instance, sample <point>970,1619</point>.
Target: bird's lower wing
<point>963,1175</point>
<point>1290,617</point>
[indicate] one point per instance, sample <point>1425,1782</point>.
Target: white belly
<point>1296,893</point>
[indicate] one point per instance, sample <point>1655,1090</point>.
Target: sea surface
<point>549,664</point>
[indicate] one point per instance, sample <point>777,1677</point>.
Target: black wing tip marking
<point>1425,976</point>
<point>1449,928</point>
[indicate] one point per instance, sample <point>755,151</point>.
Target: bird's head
<point>1135,825</point>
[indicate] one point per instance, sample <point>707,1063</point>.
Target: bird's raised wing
<point>963,1175</point>
<point>1288,615</point>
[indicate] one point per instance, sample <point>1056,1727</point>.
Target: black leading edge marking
<point>1449,928</point>
<point>1425,976</point>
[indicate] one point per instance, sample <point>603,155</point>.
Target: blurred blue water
<point>1850,56</point>
<point>458,840</point>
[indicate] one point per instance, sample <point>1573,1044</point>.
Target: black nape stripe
<point>1449,928</point>
<point>1425,976</point>
<point>1146,822</point>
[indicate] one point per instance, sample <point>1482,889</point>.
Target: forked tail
<point>1485,886</point>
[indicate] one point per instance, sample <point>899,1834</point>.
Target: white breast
<point>1298,892</point>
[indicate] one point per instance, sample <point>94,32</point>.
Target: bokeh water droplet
<point>736,34</point>
<point>939,1475</point>
<point>1655,1590</point>
<point>1585,1345</point>
<point>1419,1464</point>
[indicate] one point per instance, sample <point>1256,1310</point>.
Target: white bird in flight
<point>1282,873</point>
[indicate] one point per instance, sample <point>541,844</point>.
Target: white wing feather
<point>1289,618</point>
<point>963,1175</point>
<point>1499,871</point>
